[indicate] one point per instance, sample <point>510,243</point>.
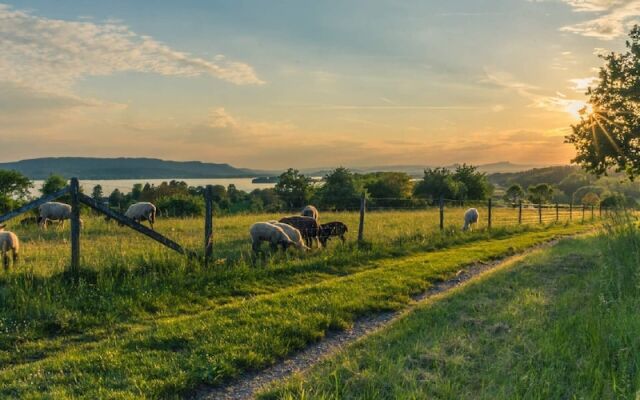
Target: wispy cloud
<point>613,17</point>
<point>51,54</point>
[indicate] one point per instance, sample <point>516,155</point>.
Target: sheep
<point>53,211</point>
<point>142,211</point>
<point>331,229</point>
<point>310,211</point>
<point>26,221</point>
<point>8,242</point>
<point>293,233</point>
<point>266,232</point>
<point>307,226</point>
<point>470,217</point>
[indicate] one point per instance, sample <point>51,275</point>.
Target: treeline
<point>341,189</point>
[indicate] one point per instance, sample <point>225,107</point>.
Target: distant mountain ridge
<point>126,168</point>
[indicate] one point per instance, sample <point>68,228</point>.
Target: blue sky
<point>268,84</point>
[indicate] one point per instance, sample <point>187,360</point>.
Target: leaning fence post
<point>208,224</point>
<point>363,203</point>
<point>489,214</point>
<point>75,225</point>
<point>520,212</point>
<point>540,213</point>
<point>441,212</point>
<point>557,213</point>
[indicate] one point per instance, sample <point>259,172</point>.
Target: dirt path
<point>250,383</point>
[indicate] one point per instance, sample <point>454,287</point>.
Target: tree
<point>14,185</point>
<point>14,189</point>
<point>590,199</point>
<point>53,184</point>
<point>609,135</point>
<point>436,183</point>
<point>514,193</point>
<point>541,193</point>
<point>340,190</point>
<point>116,199</point>
<point>97,193</point>
<point>474,184</point>
<point>396,185</point>
<point>136,191</point>
<point>294,188</point>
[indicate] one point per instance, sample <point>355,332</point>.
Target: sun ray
<point>608,136</point>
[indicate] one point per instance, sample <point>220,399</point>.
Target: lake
<point>125,185</point>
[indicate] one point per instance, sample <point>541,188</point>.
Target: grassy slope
<point>168,356</point>
<point>560,324</point>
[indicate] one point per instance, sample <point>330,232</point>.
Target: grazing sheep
<point>293,233</point>
<point>53,211</point>
<point>470,217</point>
<point>310,211</point>
<point>266,232</point>
<point>331,229</point>
<point>143,211</point>
<point>8,242</point>
<point>307,226</point>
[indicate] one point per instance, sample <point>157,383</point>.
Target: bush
<point>181,206</point>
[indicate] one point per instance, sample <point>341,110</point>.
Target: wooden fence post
<point>75,225</point>
<point>363,204</point>
<point>600,212</point>
<point>489,214</point>
<point>583,208</point>
<point>571,211</point>
<point>540,213</point>
<point>441,212</point>
<point>208,224</point>
<point>557,213</point>
<point>592,212</point>
<point>520,212</point>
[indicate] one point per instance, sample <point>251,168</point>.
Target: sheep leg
<point>255,246</point>
<point>343,238</point>
<point>5,260</point>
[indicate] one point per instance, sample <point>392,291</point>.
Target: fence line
<point>78,198</point>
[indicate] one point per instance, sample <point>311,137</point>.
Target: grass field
<point>144,322</point>
<point>559,324</point>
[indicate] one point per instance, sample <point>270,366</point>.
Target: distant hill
<point>417,171</point>
<point>551,175</point>
<point>125,168</point>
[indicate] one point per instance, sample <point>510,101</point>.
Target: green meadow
<point>140,321</point>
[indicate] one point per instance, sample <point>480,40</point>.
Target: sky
<point>278,84</point>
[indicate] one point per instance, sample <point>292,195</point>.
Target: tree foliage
<point>340,191</point>
<point>541,193</point>
<point>514,193</point>
<point>52,184</point>
<point>609,135</point>
<point>293,188</point>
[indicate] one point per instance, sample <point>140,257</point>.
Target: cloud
<point>50,55</point>
<point>614,17</point>
<point>558,102</point>
<point>581,85</point>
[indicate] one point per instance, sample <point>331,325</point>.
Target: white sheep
<point>310,211</point>
<point>8,242</point>
<point>293,233</point>
<point>53,211</point>
<point>266,232</point>
<point>142,211</point>
<point>470,217</point>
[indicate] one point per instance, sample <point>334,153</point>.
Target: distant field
<point>133,324</point>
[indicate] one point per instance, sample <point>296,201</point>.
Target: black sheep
<point>331,229</point>
<point>308,227</point>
